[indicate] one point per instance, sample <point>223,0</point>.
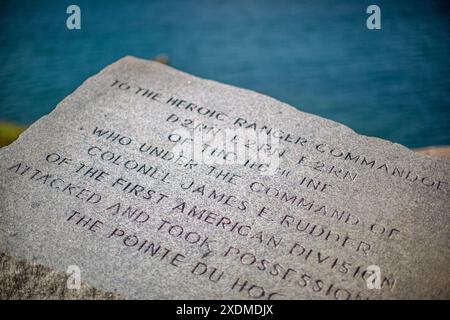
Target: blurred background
<point>318,56</point>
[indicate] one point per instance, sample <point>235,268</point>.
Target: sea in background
<point>318,56</point>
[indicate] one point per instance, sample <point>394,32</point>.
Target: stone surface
<point>318,212</point>
<point>27,280</point>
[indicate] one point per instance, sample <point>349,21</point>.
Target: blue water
<point>316,55</point>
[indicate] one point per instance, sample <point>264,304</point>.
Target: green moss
<point>9,132</point>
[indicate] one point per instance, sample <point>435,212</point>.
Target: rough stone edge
<point>24,280</point>
<point>378,142</point>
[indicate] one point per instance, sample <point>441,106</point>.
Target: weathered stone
<point>111,183</point>
<point>27,280</point>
